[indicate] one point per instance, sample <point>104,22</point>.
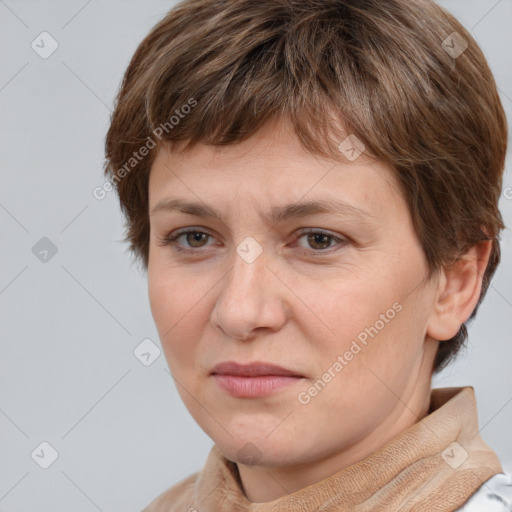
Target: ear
<point>458,291</point>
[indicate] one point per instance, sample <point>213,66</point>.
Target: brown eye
<point>319,241</point>
<point>188,241</point>
<point>195,238</point>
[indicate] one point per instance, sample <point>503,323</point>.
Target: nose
<point>251,299</point>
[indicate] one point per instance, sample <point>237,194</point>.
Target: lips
<point>254,380</point>
<point>257,369</point>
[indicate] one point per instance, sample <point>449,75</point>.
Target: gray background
<point>69,326</point>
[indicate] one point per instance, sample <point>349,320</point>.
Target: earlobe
<point>458,291</point>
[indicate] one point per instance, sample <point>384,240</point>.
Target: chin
<point>259,451</point>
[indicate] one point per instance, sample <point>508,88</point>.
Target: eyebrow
<point>277,214</point>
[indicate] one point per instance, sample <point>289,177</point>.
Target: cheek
<point>162,298</point>
<point>174,309</point>
<point>174,293</point>
<point>348,307</point>
<point>373,318</point>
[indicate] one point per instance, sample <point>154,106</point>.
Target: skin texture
<point>299,310</point>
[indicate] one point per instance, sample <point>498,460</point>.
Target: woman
<point>312,188</point>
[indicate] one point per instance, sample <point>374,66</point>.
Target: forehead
<point>272,168</point>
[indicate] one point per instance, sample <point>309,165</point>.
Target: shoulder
<point>178,497</point>
<point>495,495</point>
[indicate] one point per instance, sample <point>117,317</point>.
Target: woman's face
<point>339,298</point>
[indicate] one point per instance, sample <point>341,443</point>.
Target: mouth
<point>253,380</point>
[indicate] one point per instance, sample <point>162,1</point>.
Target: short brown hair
<point>387,69</point>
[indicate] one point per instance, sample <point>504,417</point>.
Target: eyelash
<point>173,241</point>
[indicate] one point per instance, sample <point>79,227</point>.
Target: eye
<point>320,240</point>
<point>193,237</point>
